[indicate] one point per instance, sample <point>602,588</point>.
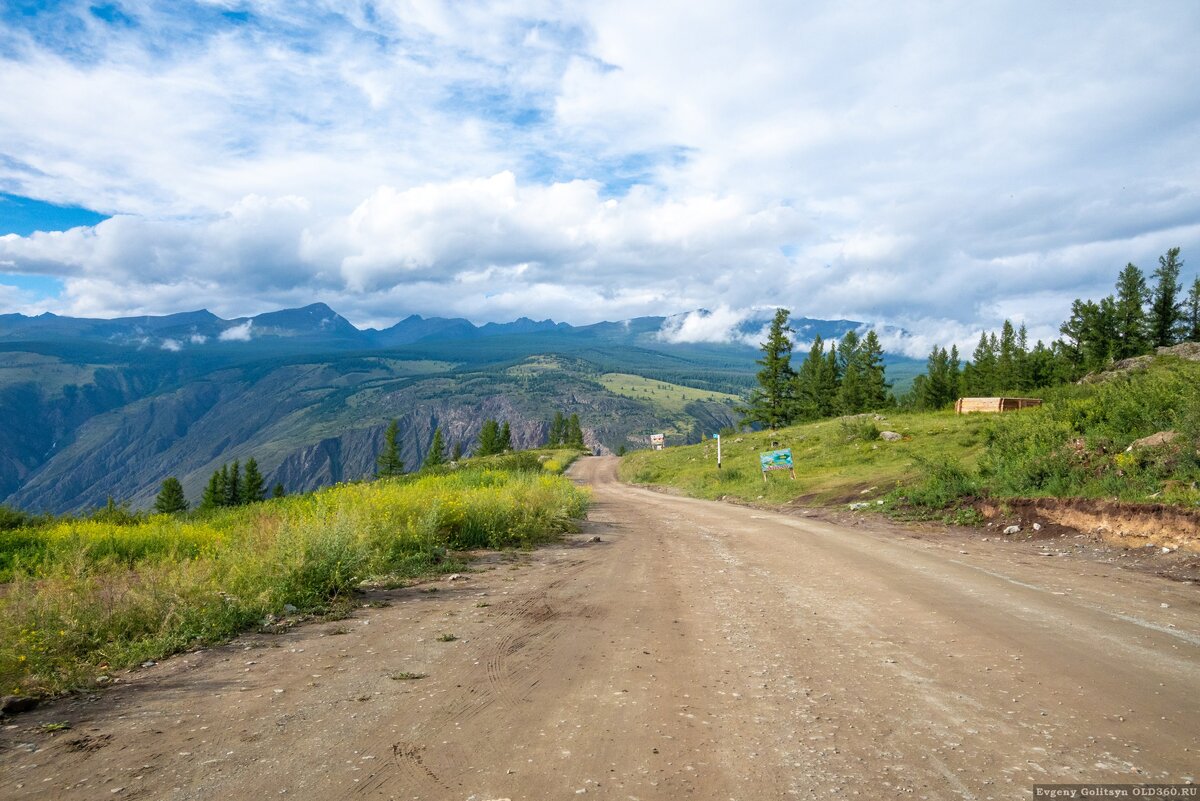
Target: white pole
<point>718,451</point>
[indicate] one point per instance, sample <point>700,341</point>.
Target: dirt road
<point>698,650</point>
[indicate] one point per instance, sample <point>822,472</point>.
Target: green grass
<point>1075,445</point>
<point>672,398</point>
<point>83,597</point>
<point>834,461</point>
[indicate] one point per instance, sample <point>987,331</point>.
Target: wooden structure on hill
<point>968,405</point>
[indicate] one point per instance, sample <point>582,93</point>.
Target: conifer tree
<point>771,403</point>
<point>170,498</point>
<point>809,404</point>
<point>1131,327</point>
<point>388,463</point>
<point>574,433</point>
<point>437,451</point>
<point>1192,312</point>
<point>979,374</point>
<point>850,397</point>
<point>278,491</point>
<point>558,430</point>
<point>505,438</point>
<point>214,492</point>
<point>489,439</point>
<point>875,385</point>
<point>233,485</point>
<point>1165,309</point>
<point>253,487</point>
<point>456,454</point>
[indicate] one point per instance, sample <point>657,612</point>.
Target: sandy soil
<point>697,650</point>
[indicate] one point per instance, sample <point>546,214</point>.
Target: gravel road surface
<point>697,650</point>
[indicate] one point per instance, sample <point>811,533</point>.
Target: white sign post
<point>717,437</point>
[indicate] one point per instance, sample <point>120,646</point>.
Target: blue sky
<point>929,166</point>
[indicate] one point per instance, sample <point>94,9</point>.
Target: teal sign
<point>776,460</point>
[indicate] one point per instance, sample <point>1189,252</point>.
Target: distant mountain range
<point>317,326</point>
<point>92,408</point>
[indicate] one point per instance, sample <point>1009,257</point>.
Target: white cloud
<point>720,325</point>
<point>173,345</point>
<point>237,333</point>
<point>937,169</point>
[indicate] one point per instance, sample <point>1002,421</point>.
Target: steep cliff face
<point>352,456</point>
<point>307,423</point>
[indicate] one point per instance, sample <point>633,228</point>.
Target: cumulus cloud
<point>954,167</point>
<point>173,345</point>
<point>237,333</point>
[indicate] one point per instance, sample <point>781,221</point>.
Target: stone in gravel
<point>595,539</point>
<point>456,577</point>
<point>1037,526</point>
<point>1013,530</point>
<point>149,663</point>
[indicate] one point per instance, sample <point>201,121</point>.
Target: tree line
<point>1137,318</point>
<point>845,376</point>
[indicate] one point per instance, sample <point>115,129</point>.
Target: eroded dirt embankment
<point>1125,525</point>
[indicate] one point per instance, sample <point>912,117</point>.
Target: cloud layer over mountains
<point>935,167</point>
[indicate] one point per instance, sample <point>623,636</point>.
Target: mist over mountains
<point>93,408</point>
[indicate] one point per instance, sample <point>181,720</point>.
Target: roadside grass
<point>84,597</point>
<point>836,460</point>
<point>1079,444</point>
<point>672,398</point>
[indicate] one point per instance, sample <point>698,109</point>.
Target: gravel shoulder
<point>696,650</point>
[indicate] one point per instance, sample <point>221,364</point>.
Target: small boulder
<point>1037,526</point>
<point>890,436</point>
<point>1012,530</point>
<point>1152,441</point>
<point>595,538</point>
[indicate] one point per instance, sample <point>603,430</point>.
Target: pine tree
<point>505,438</point>
<point>1165,309</point>
<point>875,384</point>
<point>253,486</point>
<point>979,376</point>
<point>456,454</point>
<point>170,497</point>
<point>574,433</point>
<point>935,391</point>
<point>233,485</point>
<point>388,463</point>
<point>851,392</point>
<point>771,403</point>
<point>277,491</point>
<point>831,382</point>
<point>1006,359</point>
<point>489,439</point>
<point>1192,312</point>
<point>437,451</point>
<point>214,493</point>
<point>809,385</point>
<point>558,430</point>
<point>1131,327</point>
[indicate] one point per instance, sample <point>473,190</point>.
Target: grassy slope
<point>832,462</point>
<point>84,596</point>
<point>670,397</point>
<point>1079,444</point>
